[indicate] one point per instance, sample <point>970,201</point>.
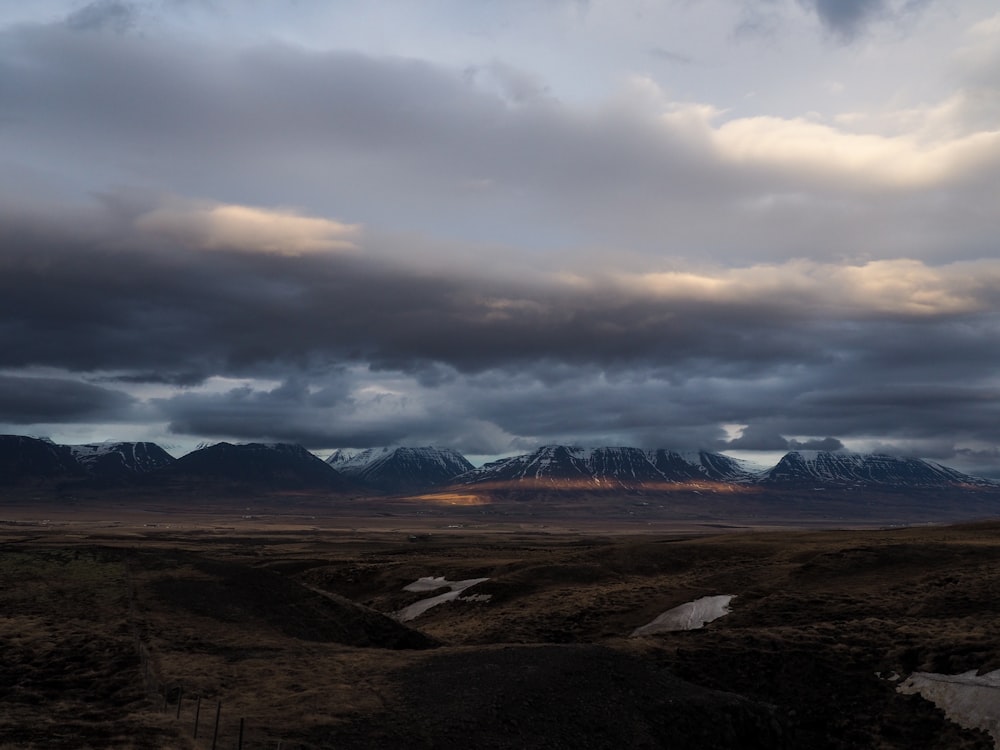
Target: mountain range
<point>608,468</point>
<point>554,475</point>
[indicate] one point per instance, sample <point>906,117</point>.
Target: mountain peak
<point>606,467</point>
<point>401,468</point>
<point>845,468</point>
<point>269,465</point>
<point>118,459</point>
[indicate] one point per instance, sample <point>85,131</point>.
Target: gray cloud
<point>324,412</point>
<point>346,135</point>
<point>494,360</point>
<point>816,444</point>
<point>39,400</point>
<point>417,254</point>
<point>677,58</point>
<point>758,439</point>
<point>480,361</point>
<point>78,304</point>
<point>847,19</point>
<point>111,15</point>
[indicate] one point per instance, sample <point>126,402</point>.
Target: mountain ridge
<point>401,468</point>
<point>119,459</point>
<point>617,482</point>
<point>842,468</point>
<point>607,467</point>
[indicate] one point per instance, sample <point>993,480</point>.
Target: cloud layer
<point>724,225</point>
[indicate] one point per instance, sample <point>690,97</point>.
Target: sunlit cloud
<point>810,148</point>
<point>895,287</point>
<point>220,226</point>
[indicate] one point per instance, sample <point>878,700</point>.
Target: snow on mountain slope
<point>399,469</point>
<point>828,468</point>
<point>609,467</point>
<point>548,463</point>
<point>120,458</point>
<point>347,460</point>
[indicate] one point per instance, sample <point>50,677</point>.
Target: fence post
<point>215,734</point>
<point>197,715</point>
<point>239,744</point>
<point>180,697</point>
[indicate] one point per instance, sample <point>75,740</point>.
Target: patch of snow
<point>970,700</point>
<point>432,584</point>
<point>689,616</point>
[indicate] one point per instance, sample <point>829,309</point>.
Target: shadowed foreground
<point>111,633</point>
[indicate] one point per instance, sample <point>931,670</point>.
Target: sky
<point>741,225</point>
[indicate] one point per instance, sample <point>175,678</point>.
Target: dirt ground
<point>118,629</point>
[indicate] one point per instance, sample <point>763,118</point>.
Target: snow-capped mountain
<point>118,459</point>
<point>550,462</point>
<point>27,459</point>
<point>715,466</point>
<point>862,469</point>
<point>609,467</point>
<point>401,469</point>
<point>266,465</point>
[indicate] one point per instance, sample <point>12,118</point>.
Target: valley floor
<point>116,631</point>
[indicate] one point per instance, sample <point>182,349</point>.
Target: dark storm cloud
<point>322,412</point>
<point>755,438</point>
<point>35,400</point>
<point>84,305</point>
<point>89,307</point>
<point>287,413</point>
<point>164,378</point>
<point>816,444</point>
<point>605,360</point>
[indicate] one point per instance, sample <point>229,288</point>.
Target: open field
<point>112,627</point>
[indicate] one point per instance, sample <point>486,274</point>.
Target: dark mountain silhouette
<point>27,460</point>
<point>119,460</point>
<point>265,466</point>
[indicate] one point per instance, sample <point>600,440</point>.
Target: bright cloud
<point>216,226</point>
<point>899,286</point>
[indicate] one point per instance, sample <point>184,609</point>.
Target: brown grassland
<point>112,628</point>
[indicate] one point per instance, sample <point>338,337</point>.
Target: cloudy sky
<point>745,225</point>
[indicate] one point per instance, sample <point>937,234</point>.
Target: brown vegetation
<point>285,624</point>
